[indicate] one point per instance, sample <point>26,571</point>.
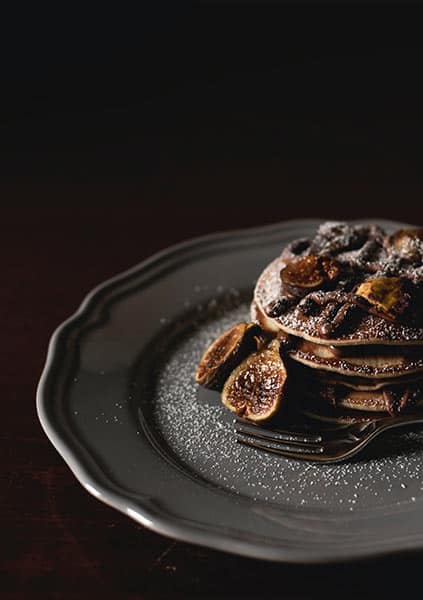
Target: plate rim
<point>144,511</point>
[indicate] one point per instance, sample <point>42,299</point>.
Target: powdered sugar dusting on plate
<point>199,431</point>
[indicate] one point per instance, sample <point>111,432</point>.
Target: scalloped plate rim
<point>144,511</point>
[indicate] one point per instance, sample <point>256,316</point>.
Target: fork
<point>327,446</point>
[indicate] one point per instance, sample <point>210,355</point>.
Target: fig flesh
<point>309,273</point>
<point>254,390</point>
<point>225,353</point>
<point>387,296</point>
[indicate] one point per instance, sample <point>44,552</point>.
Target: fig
<point>254,390</point>
<point>309,273</point>
<point>408,243</point>
<point>387,296</point>
<point>225,353</point>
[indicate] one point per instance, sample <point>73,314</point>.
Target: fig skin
<point>255,389</point>
<point>387,296</point>
<point>225,353</point>
<point>309,273</point>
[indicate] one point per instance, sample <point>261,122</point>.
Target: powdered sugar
<point>198,430</point>
<point>369,328</point>
<point>364,252</point>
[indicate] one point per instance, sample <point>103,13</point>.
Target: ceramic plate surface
<point>118,401</point>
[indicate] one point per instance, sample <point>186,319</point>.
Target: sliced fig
<point>304,273</point>
<point>386,295</point>
<point>254,390</point>
<point>225,353</point>
<point>309,273</point>
<point>408,243</point>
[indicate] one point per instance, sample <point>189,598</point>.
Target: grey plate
<point>117,400</point>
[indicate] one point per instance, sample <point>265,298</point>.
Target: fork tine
<point>272,440</point>
<point>276,435</point>
<point>281,449</point>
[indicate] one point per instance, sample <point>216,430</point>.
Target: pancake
<point>376,366</point>
<point>365,328</point>
<point>329,416</point>
<point>343,314</point>
<point>360,383</point>
<point>360,353</point>
<point>395,399</point>
<point>347,306</point>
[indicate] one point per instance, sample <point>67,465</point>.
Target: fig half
<point>309,273</point>
<point>225,353</point>
<point>386,295</point>
<point>254,390</point>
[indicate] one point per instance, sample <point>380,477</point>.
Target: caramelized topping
<point>408,243</point>
<point>386,296</point>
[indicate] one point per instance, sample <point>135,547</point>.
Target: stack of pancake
<point>348,305</point>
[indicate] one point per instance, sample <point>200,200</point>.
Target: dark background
<point>121,134</point>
